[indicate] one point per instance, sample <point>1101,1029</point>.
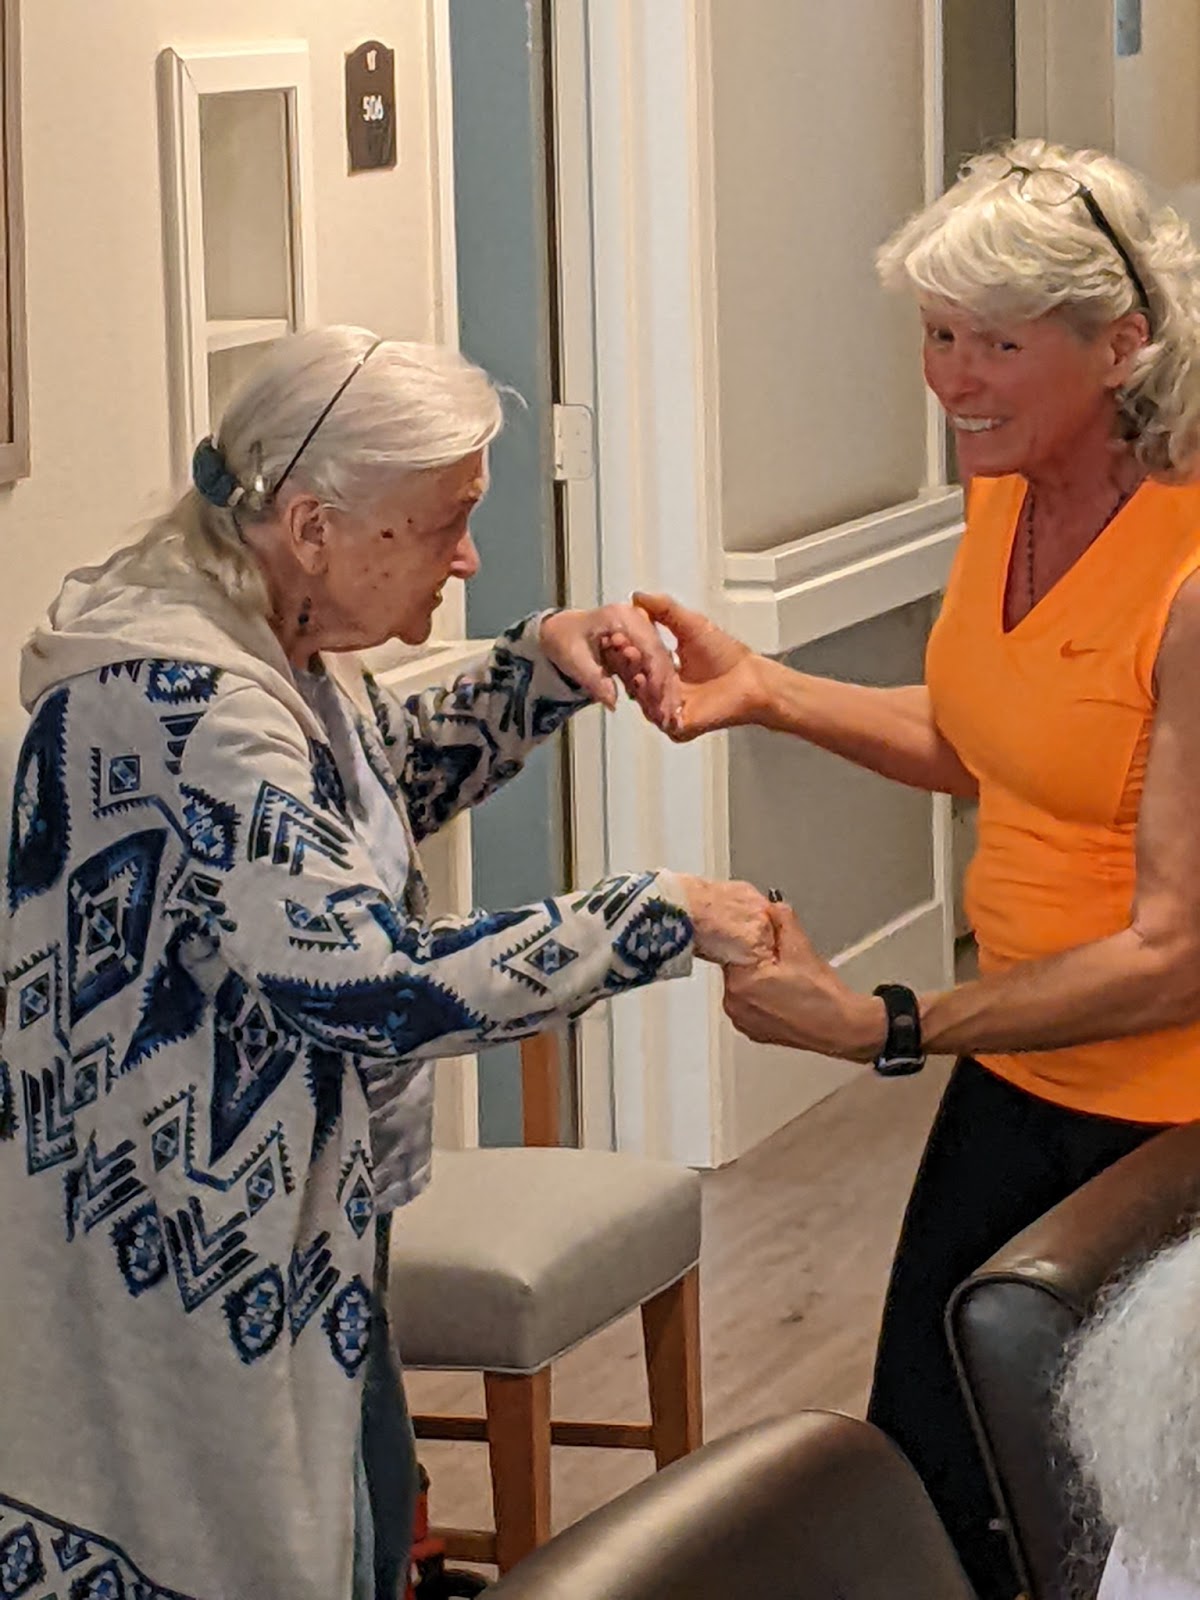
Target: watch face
<point>905,1035</point>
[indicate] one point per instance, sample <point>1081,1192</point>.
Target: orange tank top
<point>1053,718</point>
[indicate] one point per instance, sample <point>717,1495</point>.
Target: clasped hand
<point>598,648</point>
<point>620,643</point>
<point>713,680</point>
<point>794,998</point>
<point>777,989</point>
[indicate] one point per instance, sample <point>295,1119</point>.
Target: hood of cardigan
<point>102,617</point>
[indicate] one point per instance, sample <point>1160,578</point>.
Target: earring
<point>305,614</point>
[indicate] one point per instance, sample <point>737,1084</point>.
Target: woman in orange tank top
<point>1062,337</point>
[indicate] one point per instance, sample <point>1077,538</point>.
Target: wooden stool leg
<point>518,1429</point>
<point>671,1331</point>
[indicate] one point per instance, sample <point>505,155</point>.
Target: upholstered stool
<point>511,1258</point>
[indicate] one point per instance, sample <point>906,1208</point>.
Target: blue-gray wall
<point>498,62</point>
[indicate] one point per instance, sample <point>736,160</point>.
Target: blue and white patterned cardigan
<point>202,974</point>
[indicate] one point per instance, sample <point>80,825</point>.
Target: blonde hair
<point>409,408</point>
<point>987,248</point>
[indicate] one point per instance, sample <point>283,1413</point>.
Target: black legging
<point>997,1159</point>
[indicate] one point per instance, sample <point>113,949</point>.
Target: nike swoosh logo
<point>1070,652</point>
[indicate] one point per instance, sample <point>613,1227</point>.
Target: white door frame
<point>456,1083</point>
<point>610,269</point>
<point>650,335</point>
<point>576,386</point>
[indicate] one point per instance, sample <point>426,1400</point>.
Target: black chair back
<point>811,1507</point>
<point>1008,1326</point>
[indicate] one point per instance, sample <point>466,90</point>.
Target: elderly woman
<point>1130,1408</point>
<point>225,995</point>
<point>1061,317</point>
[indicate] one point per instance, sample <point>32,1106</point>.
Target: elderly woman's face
<point>1023,397</point>
<point>388,576</point>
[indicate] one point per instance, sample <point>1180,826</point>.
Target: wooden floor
<point>798,1236</point>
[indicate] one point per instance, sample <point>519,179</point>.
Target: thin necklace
<point>1027,512</point>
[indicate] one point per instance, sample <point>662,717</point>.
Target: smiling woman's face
<point>1021,397</point>
<point>387,568</point>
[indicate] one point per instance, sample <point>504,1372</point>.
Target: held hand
<point>731,920</point>
<point>795,998</point>
<point>617,641</point>
<point>720,677</point>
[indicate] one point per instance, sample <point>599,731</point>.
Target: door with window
<point>507,197</point>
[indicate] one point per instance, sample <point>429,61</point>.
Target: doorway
<point>506,58</point>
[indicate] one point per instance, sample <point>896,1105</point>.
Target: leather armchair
<point>809,1507</point>
<point>1009,1323</point>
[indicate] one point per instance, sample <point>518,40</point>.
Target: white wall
<point>97,320</point>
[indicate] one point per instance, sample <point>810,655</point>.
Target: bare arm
<point>889,731</point>
<point>1144,978</point>
<point>723,684</point>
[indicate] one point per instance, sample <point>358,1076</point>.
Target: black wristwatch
<point>902,1053</point>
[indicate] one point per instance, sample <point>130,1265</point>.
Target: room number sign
<point>371,106</point>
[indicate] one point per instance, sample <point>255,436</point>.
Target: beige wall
<point>1071,87</point>
<point>1064,70</point>
<point>849,849</point>
<point>818,138</point>
<point>818,153</point>
<point>852,852</point>
<point>97,319</point>
<point>980,77</point>
<point>1156,96</point>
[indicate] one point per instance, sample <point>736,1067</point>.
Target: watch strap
<point>903,1052</point>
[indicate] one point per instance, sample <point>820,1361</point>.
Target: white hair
<point>408,408</point>
<point>984,247</point>
<point>1129,1406</point>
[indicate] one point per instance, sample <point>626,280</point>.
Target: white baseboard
<point>773,1085</point>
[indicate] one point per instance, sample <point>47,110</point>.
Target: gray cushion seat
<point>511,1257</point>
